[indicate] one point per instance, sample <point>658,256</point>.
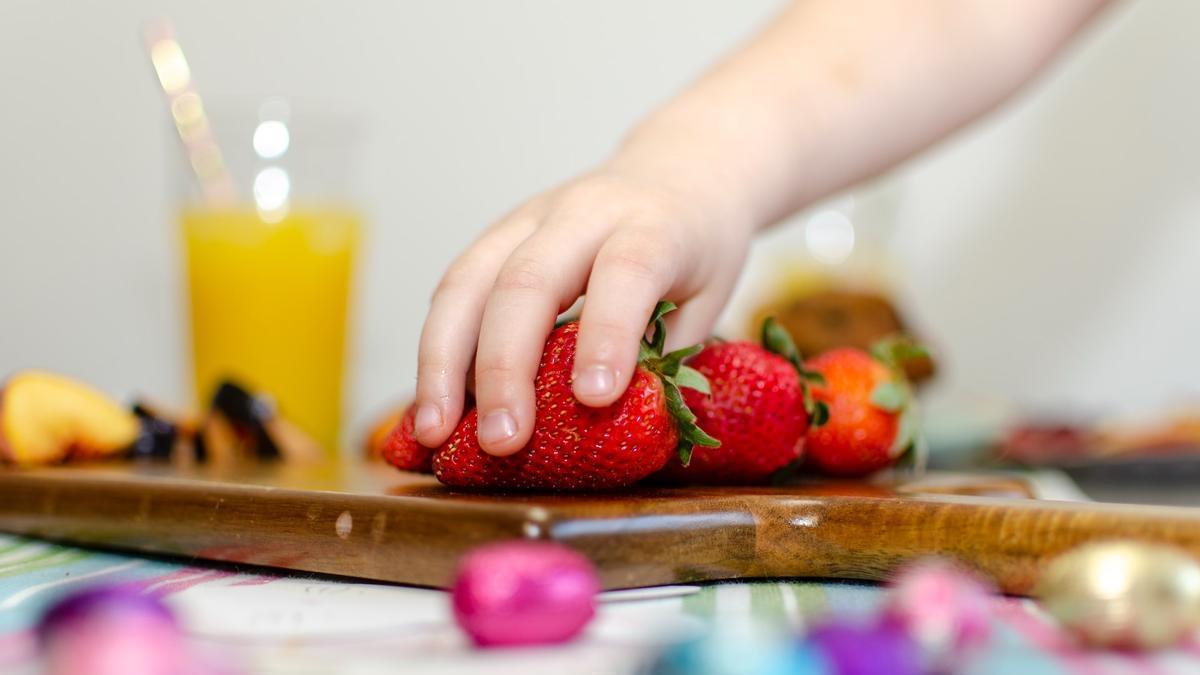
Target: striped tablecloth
<point>300,624</point>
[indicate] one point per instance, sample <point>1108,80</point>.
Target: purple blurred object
<point>867,649</point>
<point>112,630</point>
<point>943,608</point>
<point>89,603</point>
<point>524,593</point>
<point>119,630</point>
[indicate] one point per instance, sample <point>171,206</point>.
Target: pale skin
<point>830,93</point>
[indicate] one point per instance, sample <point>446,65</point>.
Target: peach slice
<point>47,418</point>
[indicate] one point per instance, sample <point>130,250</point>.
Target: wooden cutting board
<point>376,523</point>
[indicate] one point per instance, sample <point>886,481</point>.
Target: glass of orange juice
<point>270,270</point>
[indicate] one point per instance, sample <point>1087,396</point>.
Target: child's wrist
<point>685,167</point>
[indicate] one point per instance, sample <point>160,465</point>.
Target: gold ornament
<point>1123,594</point>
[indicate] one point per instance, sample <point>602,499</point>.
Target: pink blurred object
<point>117,630</point>
<point>524,593</point>
<point>944,608</point>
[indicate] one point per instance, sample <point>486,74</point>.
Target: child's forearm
<point>832,92</point>
<point>836,91</point>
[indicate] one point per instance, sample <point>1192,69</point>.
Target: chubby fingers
<point>693,323</point>
<point>452,326</point>
<point>632,272</point>
<point>542,277</point>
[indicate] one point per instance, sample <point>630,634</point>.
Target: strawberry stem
<point>777,340</point>
<point>897,349</point>
<point>670,369</point>
<point>896,396</point>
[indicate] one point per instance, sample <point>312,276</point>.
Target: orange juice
<point>269,306</point>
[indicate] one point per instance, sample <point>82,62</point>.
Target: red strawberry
<point>869,404</point>
<point>575,447</point>
<point>757,410</point>
<point>402,450</point>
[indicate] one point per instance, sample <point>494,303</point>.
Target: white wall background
<point>1054,251</point>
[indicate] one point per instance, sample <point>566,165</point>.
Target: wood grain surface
<point>376,523</point>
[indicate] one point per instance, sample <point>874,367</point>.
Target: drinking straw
<point>187,111</point>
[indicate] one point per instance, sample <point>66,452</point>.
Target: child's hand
<point>832,92</point>
<point>623,238</point>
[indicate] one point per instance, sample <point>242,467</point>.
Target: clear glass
<point>270,267</point>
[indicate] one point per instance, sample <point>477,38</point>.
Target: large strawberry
<point>401,448</point>
<point>575,447</point>
<point>870,409</point>
<point>759,410</point>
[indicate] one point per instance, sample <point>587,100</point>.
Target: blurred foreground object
<point>935,620</point>
<point>874,648</point>
<point>748,650</point>
<point>47,418</point>
<point>944,608</point>
<point>1124,594</point>
<point>825,318</point>
<point>524,593</point>
<point>114,630</point>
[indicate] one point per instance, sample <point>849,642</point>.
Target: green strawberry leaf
<point>913,454</point>
<point>895,350</point>
<point>692,379</point>
<point>819,415</point>
<point>818,412</point>
<point>905,348</point>
<point>670,364</point>
<point>777,340</point>
<point>813,377</point>
<point>919,456</point>
<point>663,308</point>
<point>658,338</point>
<point>889,396</point>
<point>906,461</point>
<point>685,453</point>
<point>566,318</point>
<point>910,448</point>
<point>690,435</point>
<point>905,432</point>
<point>788,474</point>
<point>673,374</point>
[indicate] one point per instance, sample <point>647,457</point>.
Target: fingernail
<point>497,426</point>
<point>428,418</point>
<point>595,381</point>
